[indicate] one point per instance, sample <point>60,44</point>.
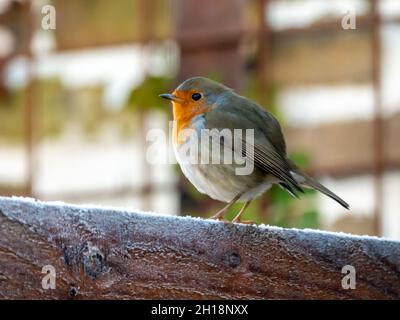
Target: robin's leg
<point>220,214</point>
<point>239,215</point>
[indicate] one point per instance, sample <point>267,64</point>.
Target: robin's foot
<point>221,213</point>
<point>239,215</point>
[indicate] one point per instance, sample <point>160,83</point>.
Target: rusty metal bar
<point>357,158</point>
<point>263,74</point>
<point>209,35</point>
<point>146,27</point>
<point>378,147</point>
<point>264,42</point>
<point>30,101</point>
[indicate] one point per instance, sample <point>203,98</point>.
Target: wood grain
<point>103,253</point>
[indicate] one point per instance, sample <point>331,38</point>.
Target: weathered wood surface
<point>101,253</point>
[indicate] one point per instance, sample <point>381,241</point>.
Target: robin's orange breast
<point>184,112</point>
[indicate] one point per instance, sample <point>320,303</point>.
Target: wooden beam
<point>332,150</point>
<point>209,34</point>
<point>101,253</point>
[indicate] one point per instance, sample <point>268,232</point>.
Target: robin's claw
<point>217,217</point>
<point>221,213</point>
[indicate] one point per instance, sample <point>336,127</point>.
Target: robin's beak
<point>170,96</point>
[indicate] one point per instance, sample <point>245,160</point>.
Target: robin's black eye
<point>196,96</point>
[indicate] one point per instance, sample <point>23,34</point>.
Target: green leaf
<point>146,95</point>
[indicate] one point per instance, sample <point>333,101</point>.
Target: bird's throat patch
<point>184,113</point>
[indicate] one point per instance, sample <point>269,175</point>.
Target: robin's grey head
<point>198,89</point>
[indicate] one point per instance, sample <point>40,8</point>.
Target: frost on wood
<point>108,253</point>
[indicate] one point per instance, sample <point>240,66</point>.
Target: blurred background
<point>79,85</point>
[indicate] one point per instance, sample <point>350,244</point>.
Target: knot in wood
<point>93,261</point>
<point>233,259</point>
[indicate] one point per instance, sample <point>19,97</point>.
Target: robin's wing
<point>269,147</point>
<point>259,118</point>
<point>268,159</point>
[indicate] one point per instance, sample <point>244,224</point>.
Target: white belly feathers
<point>217,180</point>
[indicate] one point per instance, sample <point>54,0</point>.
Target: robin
<point>201,104</point>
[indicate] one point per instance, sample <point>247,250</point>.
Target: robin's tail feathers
<point>307,181</point>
